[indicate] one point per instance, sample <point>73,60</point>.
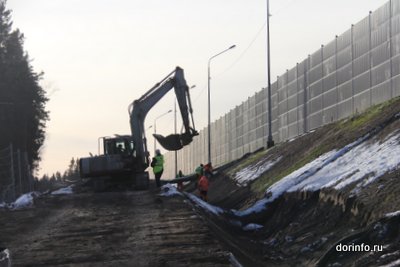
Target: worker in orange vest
<point>203,187</point>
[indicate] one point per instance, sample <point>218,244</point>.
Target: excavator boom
<point>140,107</point>
<point>126,156</point>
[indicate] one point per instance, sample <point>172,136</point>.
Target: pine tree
<point>22,100</point>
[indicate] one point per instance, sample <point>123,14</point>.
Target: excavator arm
<point>139,108</point>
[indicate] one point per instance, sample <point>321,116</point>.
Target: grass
<point>357,121</point>
<point>248,161</point>
<point>287,165</point>
<point>272,177</point>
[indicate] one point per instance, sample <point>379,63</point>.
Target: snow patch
<point>63,191</point>
<point>24,201</point>
<point>252,172</point>
<point>168,190</point>
<point>363,164</point>
<point>204,205</point>
<point>359,162</point>
<point>5,259</point>
<point>234,261</point>
<point>252,227</point>
<point>393,214</point>
<point>389,255</point>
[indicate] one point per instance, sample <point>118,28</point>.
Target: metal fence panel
<point>330,97</point>
<point>361,83</point>
<point>345,109</point>
<point>396,86</point>
<point>357,69</point>
<point>395,7</point>
<point>380,16</point>
<point>329,49</point>
<point>315,120</point>
<point>380,35</point>
<point>330,114</point>
<point>395,45</point>
<point>345,91</point>
<point>361,64</point>
<point>361,46</point>
<point>381,93</point>
<point>292,74</point>
<point>344,74</point>
<point>361,29</point>
<point>292,102</point>
<point>344,57</point>
<point>316,58</point>
<point>315,89</point>
<point>329,82</point>
<point>380,73</point>
<point>300,123</point>
<point>315,105</point>
<point>315,74</point>
<point>380,54</point>
<point>362,101</point>
<point>396,65</point>
<point>395,26</point>
<point>329,65</point>
<point>344,40</point>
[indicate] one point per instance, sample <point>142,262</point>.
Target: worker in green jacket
<point>158,166</point>
<point>199,171</point>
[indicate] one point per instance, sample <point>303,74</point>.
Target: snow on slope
<point>252,172</point>
<point>63,191</point>
<point>361,162</point>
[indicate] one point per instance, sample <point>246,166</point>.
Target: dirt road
<point>137,228</point>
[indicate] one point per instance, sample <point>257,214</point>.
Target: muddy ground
<point>140,228</point>
<point>136,228</point>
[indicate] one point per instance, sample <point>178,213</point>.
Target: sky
<point>100,55</point>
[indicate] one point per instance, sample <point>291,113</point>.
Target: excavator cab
<point>123,145</point>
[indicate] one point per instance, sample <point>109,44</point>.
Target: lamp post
<point>270,141</point>
<point>155,127</point>
<point>209,106</point>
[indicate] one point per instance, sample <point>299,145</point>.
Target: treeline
<point>23,115</point>
<point>58,179</point>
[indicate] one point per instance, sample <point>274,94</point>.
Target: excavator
<point>125,158</point>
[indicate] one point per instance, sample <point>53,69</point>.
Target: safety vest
<point>199,170</point>
<point>159,164</point>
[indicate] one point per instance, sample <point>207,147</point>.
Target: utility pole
<point>270,141</point>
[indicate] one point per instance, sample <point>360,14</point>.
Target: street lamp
<point>270,141</point>
<point>209,108</point>
<point>155,127</point>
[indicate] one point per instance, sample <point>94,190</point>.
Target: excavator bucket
<point>172,142</point>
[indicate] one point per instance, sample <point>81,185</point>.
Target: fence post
<point>29,177</point>
<point>12,172</point>
<point>19,173</point>
<point>352,68</point>
<point>370,58</point>
<point>390,48</point>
